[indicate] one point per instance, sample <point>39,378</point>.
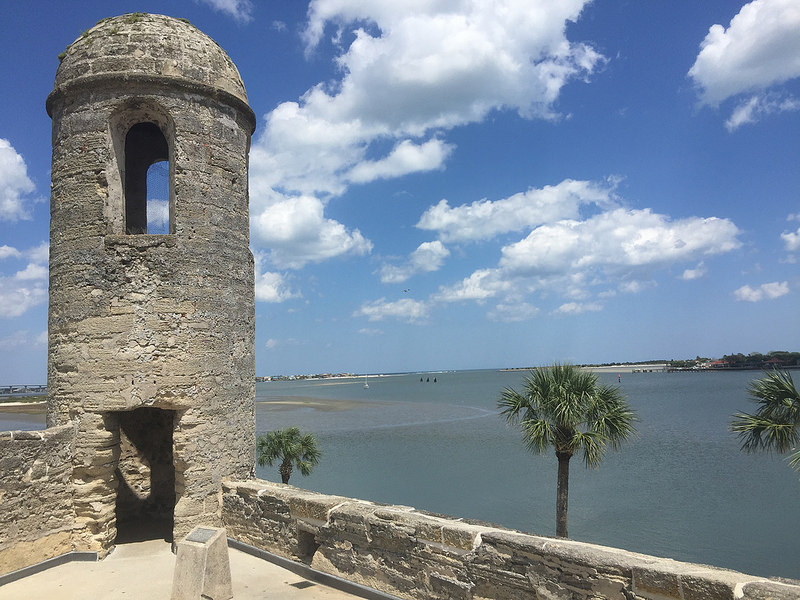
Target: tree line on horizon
<point>776,359</point>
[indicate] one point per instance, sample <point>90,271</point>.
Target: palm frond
<point>775,426</point>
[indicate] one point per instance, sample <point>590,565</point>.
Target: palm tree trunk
<point>562,493</point>
<point>285,470</point>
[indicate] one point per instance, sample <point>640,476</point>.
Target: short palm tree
<point>566,408</point>
<point>776,423</point>
<point>290,448</point>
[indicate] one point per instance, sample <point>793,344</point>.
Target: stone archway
<point>145,475</point>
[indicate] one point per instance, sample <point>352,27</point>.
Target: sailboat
<point>366,385</point>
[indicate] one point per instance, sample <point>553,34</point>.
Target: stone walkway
<point>144,570</point>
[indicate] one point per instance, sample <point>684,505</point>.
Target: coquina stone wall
<point>150,328</point>
<point>36,512</point>
<point>416,555</point>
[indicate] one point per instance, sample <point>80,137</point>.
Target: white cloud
<point>513,312</point>
<point>406,157</point>
<point>14,184</point>
<point>270,287</point>
<point>576,308</point>
<point>27,287</point>
<point>791,240</point>
<point>9,252</point>
<point>406,310</point>
<point>240,10</point>
<point>157,215</point>
<point>618,239</point>
<point>23,339</point>
<point>481,285</point>
<point>757,107</point>
<point>297,233</point>
<point>636,286</point>
<point>758,50</point>
<point>486,219</point>
<point>410,71</point>
<point>766,291</point>
<point>39,254</point>
<point>32,272</point>
<point>611,251</point>
<point>16,298</point>
<point>697,273</point>
<point>272,343</point>
<point>429,256</point>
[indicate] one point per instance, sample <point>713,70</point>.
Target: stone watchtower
<point>151,323</point>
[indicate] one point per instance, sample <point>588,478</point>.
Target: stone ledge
<point>416,555</point>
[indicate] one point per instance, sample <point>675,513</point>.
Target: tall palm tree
<point>291,448</point>
<point>566,408</point>
<point>776,423</point>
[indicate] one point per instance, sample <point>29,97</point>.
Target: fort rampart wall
<point>418,555</point>
<point>36,512</point>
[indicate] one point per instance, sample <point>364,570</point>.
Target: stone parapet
<point>418,555</point>
<point>37,519</point>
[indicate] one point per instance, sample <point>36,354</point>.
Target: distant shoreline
<point>630,368</point>
<point>34,408</point>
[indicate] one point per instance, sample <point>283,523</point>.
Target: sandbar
<point>321,404</point>
<point>34,408</point>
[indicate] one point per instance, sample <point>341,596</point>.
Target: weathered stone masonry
<point>36,516</point>
<point>421,556</point>
<point>150,332</point>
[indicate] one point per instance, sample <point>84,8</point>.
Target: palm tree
<point>776,423</point>
<point>291,448</point>
<point>564,407</point>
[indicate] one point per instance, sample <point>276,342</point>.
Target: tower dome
<point>152,48</point>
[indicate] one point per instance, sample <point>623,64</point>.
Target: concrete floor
<point>144,570</point>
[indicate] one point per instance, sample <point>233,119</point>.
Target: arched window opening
<point>146,193</point>
<point>158,197</point>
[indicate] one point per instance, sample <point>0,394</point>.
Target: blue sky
<point>450,184</point>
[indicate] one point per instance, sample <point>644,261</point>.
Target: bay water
<point>681,488</point>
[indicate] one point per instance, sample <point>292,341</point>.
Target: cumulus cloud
<point>271,286</point>
<point>15,185</point>
<point>697,273</point>
<point>617,240</point>
<point>296,233</point>
<point>429,256</point>
<point>157,215</point>
<point>513,312</point>
<point>766,291</point>
<point>480,286</point>
<point>27,286</point>
<point>8,251</point>
<point>582,261</point>
<point>406,309</point>
<point>240,10</point>
<point>409,72</point>
<point>758,107</point>
<point>759,49</point>
<point>485,219</point>
<point>407,157</point>
<point>23,339</point>
<point>791,240</point>
<point>576,308</point>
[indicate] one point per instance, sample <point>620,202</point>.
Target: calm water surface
<point>681,489</point>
